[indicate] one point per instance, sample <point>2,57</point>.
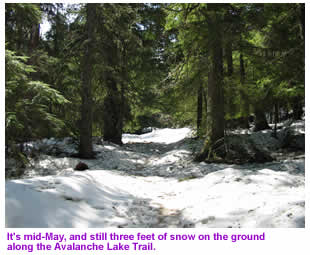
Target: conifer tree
<point>86,149</point>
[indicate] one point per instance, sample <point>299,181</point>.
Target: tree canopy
<point>104,69</point>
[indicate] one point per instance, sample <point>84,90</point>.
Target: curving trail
<point>151,181</point>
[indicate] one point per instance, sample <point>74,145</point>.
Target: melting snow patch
<point>151,181</point>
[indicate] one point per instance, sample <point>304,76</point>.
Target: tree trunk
<point>112,117</point>
<point>56,43</point>
<point>34,37</point>
<point>297,108</point>
<point>271,116</point>
<point>242,70</point>
<point>215,88</point>
<point>205,99</point>
<point>33,44</point>
<point>276,118</point>
<point>302,19</point>
<point>86,148</point>
<point>229,59</point>
<point>199,109</point>
<point>215,134</point>
<point>260,119</point>
<point>245,100</point>
<point>230,106</point>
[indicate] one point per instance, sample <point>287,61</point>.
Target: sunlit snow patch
<point>166,136</point>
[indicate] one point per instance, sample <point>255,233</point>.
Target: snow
<point>166,136</point>
<point>151,181</point>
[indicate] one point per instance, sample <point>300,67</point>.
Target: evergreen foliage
<point>27,102</point>
<point>129,66</point>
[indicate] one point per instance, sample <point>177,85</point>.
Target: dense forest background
<point>105,69</point>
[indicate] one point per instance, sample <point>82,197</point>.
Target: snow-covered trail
<point>151,181</point>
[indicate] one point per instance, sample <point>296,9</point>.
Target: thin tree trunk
<point>229,102</point>
<point>56,44</point>
<point>229,59</point>
<point>33,44</point>
<point>205,99</point>
<point>123,87</point>
<point>199,109</point>
<point>302,19</point>
<point>271,113</point>
<point>297,108</point>
<point>242,70</point>
<point>243,92</point>
<point>122,108</point>
<point>276,118</point>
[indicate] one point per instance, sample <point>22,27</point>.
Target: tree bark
<point>245,100</point>
<point>34,37</point>
<point>260,119</point>
<point>229,59</point>
<point>86,148</point>
<point>276,118</point>
<point>302,19</point>
<point>242,69</point>
<point>215,134</point>
<point>230,106</point>
<point>199,109</point>
<point>112,117</point>
<point>297,108</point>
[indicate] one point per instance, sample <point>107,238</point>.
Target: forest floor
<point>152,181</point>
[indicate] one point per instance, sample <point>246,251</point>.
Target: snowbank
<point>165,136</point>
<point>152,181</point>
